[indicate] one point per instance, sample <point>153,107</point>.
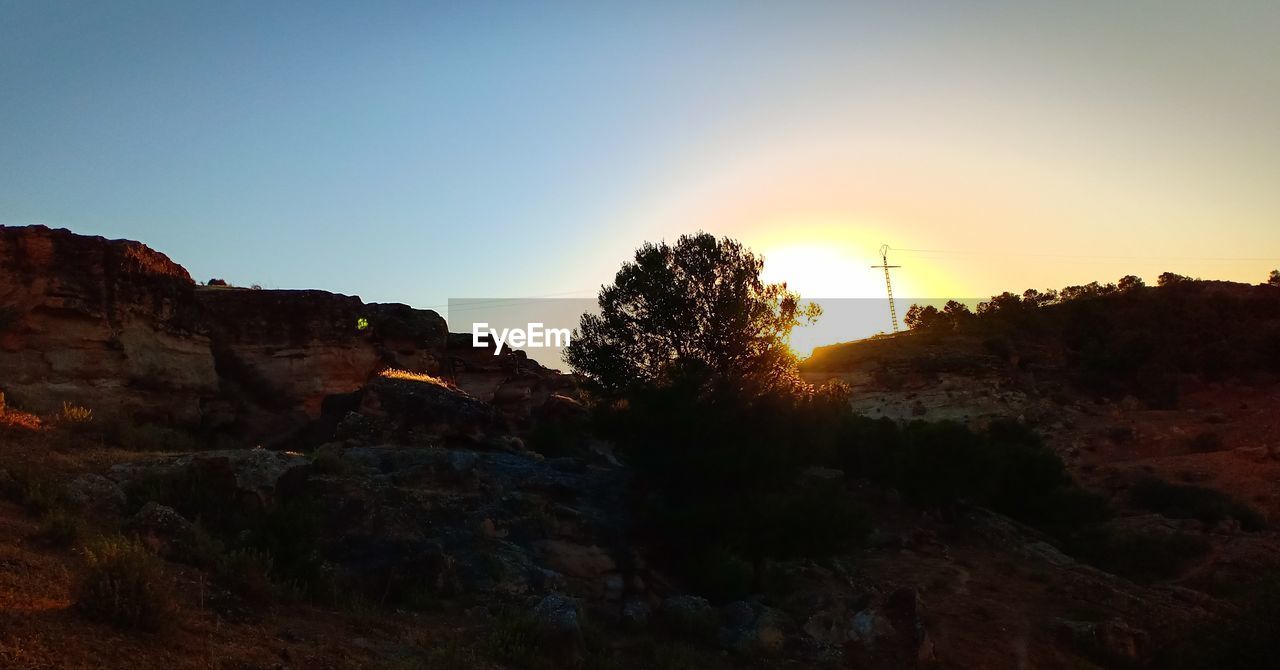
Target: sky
<point>419,152</point>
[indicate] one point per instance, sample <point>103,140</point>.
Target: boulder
<point>409,404</point>
<point>251,477</point>
<point>161,521</point>
<point>94,493</point>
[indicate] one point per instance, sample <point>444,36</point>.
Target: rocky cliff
<point>108,324</point>
<point>119,328</point>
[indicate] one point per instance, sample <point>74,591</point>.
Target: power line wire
<point>1086,256</point>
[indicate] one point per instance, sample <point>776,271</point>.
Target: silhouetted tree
<point>696,308</point>
<point>1130,283</point>
<point>952,315</point>
<point>1170,279</point>
<point>956,312</point>
<point>1005,303</point>
<point>699,390</point>
<point>920,317</point>
<point>1274,279</point>
<point>1034,298</point>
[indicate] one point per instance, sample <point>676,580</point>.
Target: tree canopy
<point>697,308</point>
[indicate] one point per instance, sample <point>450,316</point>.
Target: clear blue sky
<point>420,151</point>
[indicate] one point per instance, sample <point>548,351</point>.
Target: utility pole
<point>888,285</point>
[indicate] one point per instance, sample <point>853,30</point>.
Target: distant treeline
<point>1125,338</point>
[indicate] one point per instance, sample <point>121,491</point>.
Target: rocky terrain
<point>317,482</point>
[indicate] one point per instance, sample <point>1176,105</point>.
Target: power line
<point>1088,256</point>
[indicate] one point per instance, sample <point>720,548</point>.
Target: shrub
<point>1188,501</point>
<point>126,586</point>
<point>942,464</point>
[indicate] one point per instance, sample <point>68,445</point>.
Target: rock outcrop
<point>108,324</point>
<point>119,328</point>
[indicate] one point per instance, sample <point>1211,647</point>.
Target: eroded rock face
<point>119,328</point>
<point>289,348</point>
<point>109,324</point>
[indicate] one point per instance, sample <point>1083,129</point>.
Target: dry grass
<point>75,415</point>
<point>396,373</point>
<point>126,586</point>
<point>17,420</point>
<point>44,570</point>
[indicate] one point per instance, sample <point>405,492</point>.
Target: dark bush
<point>126,586</point>
<point>1187,501</point>
<point>940,465</point>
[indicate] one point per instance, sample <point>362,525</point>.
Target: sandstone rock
<point>435,407</point>
<point>291,348</point>
<point>106,324</point>
<point>118,327</point>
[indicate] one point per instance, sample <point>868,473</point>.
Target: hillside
<point>216,477</point>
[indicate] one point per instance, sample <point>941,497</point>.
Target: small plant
<point>75,416</point>
<point>126,586</point>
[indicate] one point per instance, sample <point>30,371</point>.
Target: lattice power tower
<point>888,285</point>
